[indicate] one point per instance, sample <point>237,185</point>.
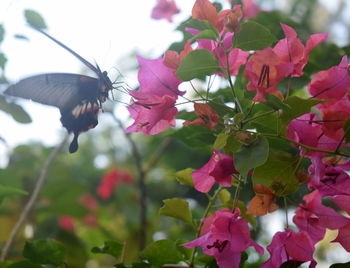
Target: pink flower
<point>264,71</point>
<point>165,9</point>
<point>66,223</point>
<point>330,179</point>
<point>156,79</point>
<point>110,181</point>
<point>88,201</point>
<point>313,217</point>
<point>153,115</point>
<point>250,9</point>
<point>333,83</point>
<point>289,246</point>
<point>334,115</point>
<point>228,236</point>
<point>292,50</point>
<point>153,107</point>
<point>344,237</point>
<point>219,169</point>
<point>307,129</point>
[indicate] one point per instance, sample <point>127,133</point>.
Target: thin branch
<point>141,180</point>
<point>28,207</point>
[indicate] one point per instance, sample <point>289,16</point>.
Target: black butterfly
<point>79,97</point>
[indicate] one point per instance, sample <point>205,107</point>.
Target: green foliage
<point>3,61</point>
<point>34,19</point>
<point>161,252</point>
<point>251,156</point>
<point>45,251</point>
<point>24,264</point>
<point>6,191</point>
<point>201,25</point>
<point>110,247</point>
<point>253,36</point>
<point>177,208</point>
<point>14,110</point>
<point>278,173</point>
<point>2,33</point>
<point>185,176</point>
<point>197,64</point>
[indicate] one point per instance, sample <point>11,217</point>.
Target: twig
<point>28,207</point>
<point>142,185</point>
<point>142,173</point>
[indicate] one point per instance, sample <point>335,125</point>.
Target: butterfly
<point>78,97</point>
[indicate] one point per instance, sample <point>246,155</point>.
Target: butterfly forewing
<point>62,90</point>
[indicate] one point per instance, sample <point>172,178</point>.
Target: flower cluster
<point>316,133</point>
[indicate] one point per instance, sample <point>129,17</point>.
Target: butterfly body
<point>78,97</point>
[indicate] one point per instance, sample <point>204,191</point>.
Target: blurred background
<point>111,33</point>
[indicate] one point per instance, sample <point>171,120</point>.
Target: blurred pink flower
<point>164,9</point>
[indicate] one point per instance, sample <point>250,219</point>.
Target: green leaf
<point>177,208</point>
<point>45,251</point>
<point>251,156</point>
<point>24,264</point>
<point>206,34</point>
<point>224,196</point>
<point>185,176</point>
<point>346,128</point>
<point>110,247</point>
<point>278,173</point>
<point>3,60</point>
<point>34,19</point>
<point>2,33</point>
<point>161,252</point>
<point>253,36</point>
<point>201,25</point>
<point>197,64</point>
<point>199,138</point>
<point>140,265</point>
<point>21,37</point>
<point>6,191</point>
<point>15,111</point>
<point>340,265</point>
<point>275,103</point>
<point>221,140</point>
<point>296,107</point>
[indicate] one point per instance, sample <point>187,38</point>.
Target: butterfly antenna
<point>87,64</point>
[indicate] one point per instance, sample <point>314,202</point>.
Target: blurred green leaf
<point>251,156</point>
<point>6,191</point>
<point>2,33</point>
<point>177,208</point>
<point>296,107</point>
<point>3,61</point>
<point>340,265</point>
<point>161,252</point>
<point>45,251</point>
<point>346,128</point>
<point>197,64</point>
<point>185,176</point>
<point>196,137</point>
<point>110,247</point>
<point>278,173</point>
<point>206,34</point>
<point>253,36</point>
<point>275,103</point>
<point>201,25</point>
<point>15,111</point>
<point>24,264</point>
<point>34,19</point>
<point>21,37</point>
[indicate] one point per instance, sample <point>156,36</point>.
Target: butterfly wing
<point>62,90</point>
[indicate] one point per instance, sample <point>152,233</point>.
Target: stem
<point>141,174</point>
<point>237,192</point>
<point>258,116</point>
<point>28,207</point>
<point>303,145</point>
<point>211,200</point>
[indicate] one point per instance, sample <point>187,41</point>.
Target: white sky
<point>104,31</point>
